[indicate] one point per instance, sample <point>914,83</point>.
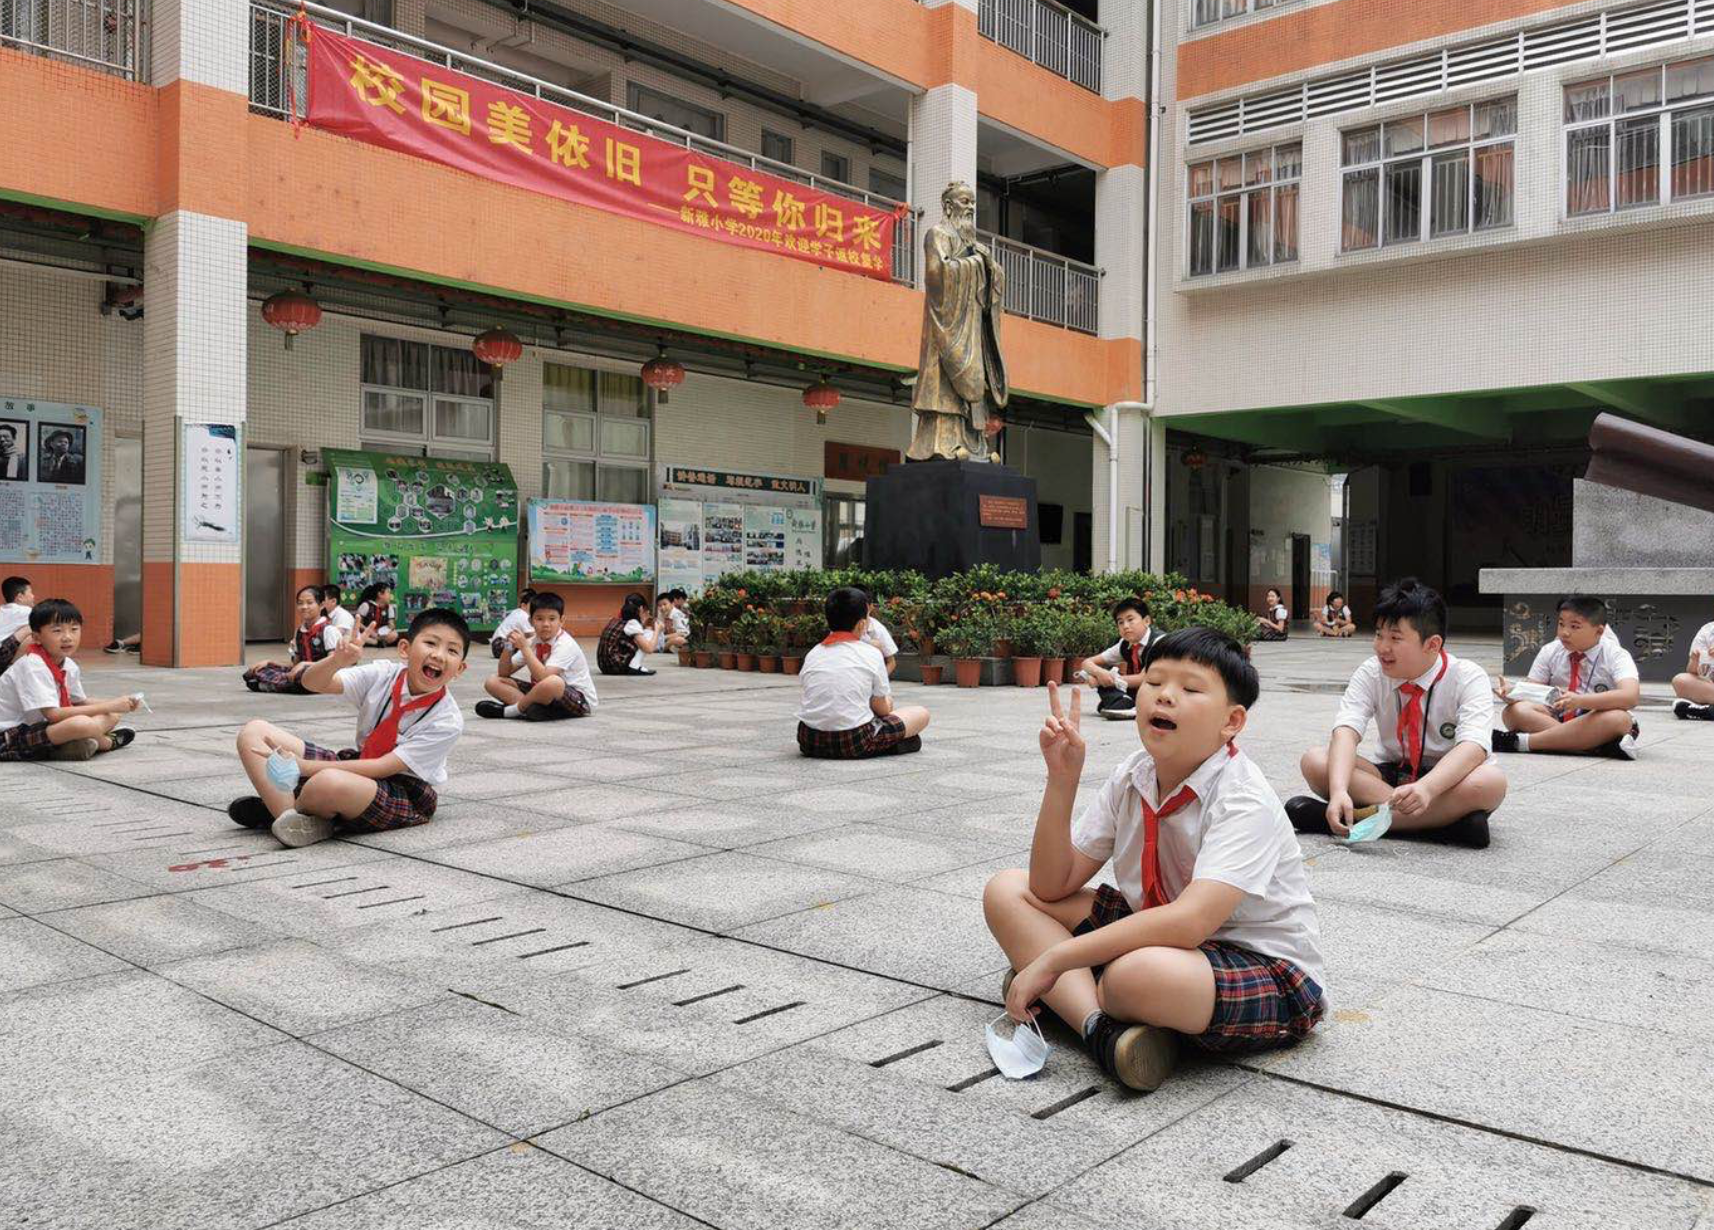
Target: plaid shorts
<point>25,741</point>
<point>570,703</point>
<point>275,679</point>
<point>1260,1003</point>
<point>8,651</point>
<point>401,801</point>
<point>856,744</point>
<point>1394,772</point>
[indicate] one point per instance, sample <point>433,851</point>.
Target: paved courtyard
<point>654,970</point>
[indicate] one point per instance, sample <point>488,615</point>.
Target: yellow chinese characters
<point>746,196</point>
<point>376,83</point>
<point>866,230</point>
<point>788,211</point>
<point>624,162</point>
<point>829,222</point>
<point>509,125</point>
<point>701,181</point>
<point>568,146</point>
<point>446,105</point>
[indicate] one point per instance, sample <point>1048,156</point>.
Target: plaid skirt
<point>570,703</point>
<point>272,678</point>
<point>1260,1003</point>
<point>401,801</point>
<point>1269,634</point>
<point>855,744</point>
<point>25,741</point>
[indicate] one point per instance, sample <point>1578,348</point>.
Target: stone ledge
<point>1602,581</point>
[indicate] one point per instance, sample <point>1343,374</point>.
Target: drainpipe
<point>1108,434</point>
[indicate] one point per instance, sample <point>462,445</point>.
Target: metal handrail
<point>1062,41</point>
<point>108,35</point>
<point>1046,286</point>
<point>269,96</point>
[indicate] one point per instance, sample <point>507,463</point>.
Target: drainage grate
<point>542,952</point>
<point>756,1016</point>
<point>495,939</point>
<point>1516,1218</point>
<point>1048,1112</point>
<point>1369,1199</point>
<point>371,905</point>
<point>697,999</point>
<point>905,1054</point>
<point>1261,1159</point>
<point>474,922</point>
<point>971,1081</point>
<point>641,982</point>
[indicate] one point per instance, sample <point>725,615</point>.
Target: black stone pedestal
<point>927,515</point>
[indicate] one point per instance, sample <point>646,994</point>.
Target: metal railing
<point>1048,287</point>
<point>109,35</point>
<point>1058,39</point>
<point>269,95</point>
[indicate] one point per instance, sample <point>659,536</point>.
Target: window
<point>596,435</point>
<point>842,530</point>
<point>887,184</point>
<point>1211,12</point>
<point>835,166</point>
<point>1642,138</point>
<point>1426,176</point>
<point>1243,210</point>
<point>670,110</point>
<point>426,400</point>
<point>776,146</point>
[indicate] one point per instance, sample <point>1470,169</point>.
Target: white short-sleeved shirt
<point>425,737</point>
<point>329,636</point>
<point>1331,616</point>
<point>28,688</point>
<point>1603,668</point>
<point>366,611</point>
<point>342,621</point>
<point>1280,615</point>
<point>516,621</point>
<point>565,656</point>
<point>13,615</point>
<point>633,629</point>
<point>876,634</point>
<point>1703,646</point>
<point>1234,831</point>
<point>1113,657</point>
<point>681,622</point>
<point>839,681</point>
<point>1460,709</point>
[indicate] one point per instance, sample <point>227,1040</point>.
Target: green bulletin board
<point>444,533</point>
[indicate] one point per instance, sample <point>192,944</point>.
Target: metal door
<point>127,535</point>
<point>265,595</point>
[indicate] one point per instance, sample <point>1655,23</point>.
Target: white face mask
<point>1020,1055</point>
<point>283,771</point>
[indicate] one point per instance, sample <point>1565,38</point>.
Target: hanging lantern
<point>1195,459</point>
<point>497,347</point>
<point>663,375</point>
<point>821,397</point>
<point>291,312</point>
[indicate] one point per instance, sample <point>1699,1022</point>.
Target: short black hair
<point>635,607</point>
<point>1590,608</point>
<point>440,617</point>
<point>1132,603</point>
<point>1332,594</point>
<point>846,607</point>
<point>332,590</point>
<point>1220,653</point>
<point>547,602</point>
<point>524,596</point>
<point>12,587</point>
<point>1408,600</point>
<point>676,594</point>
<point>50,611</point>
<point>311,589</point>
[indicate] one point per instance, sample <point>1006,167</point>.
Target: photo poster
<point>588,542</point>
<point>208,458</point>
<point>715,522</point>
<point>681,545</point>
<point>441,532</point>
<point>723,541</point>
<point>50,482</point>
<point>764,537</point>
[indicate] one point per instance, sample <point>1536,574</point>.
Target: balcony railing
<point>110,35</point>
<point>1058,39</point>
<point>1048,287</point>
<point>269,95</point>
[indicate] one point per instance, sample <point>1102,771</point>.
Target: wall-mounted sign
<point>209,460</point>
<point>586,542</point>
<point>50,482</point>
<point>857,462</point>
<point>767,484</point>
<point>714,522</point>
<point>1003,512</point>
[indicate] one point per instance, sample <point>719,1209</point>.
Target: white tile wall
<point>206,41</point>
<point>1125,51</point>
<point>1121,248</point>
<point>943,146</point>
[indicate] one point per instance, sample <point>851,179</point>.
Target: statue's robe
<point>961,376</point>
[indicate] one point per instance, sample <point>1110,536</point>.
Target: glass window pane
<point>624,485</point>
<point>624,437</point>
<point>1449,200</point>
<point>1404,137</point>
<point>1403,208</point>
<point>567,388</point>
<point>1636,162</point>
<point>1449,127</point>
<point>835,166</point>
<point>776,146</point>
<point>1363,145</point>
<point>464,420</point>
<point>397,364</point>
<point>1588,101</point>
<point>1496,119</point>
<point>1693,153</point>
<point>460,372</point>
<point>1202,179</point>
<point>624,396</point>
<point>1586,170</point>
<point>569,480</point>
<point>393,412</point>
<point>1231,174</point>
<point>1261,228</point>
<point>1691,79</point>
<point>680,114</point>
<point>888,185</point>
<point>1285,223</point>
<point>1360,213</point>
<point>1204,12</point>
<point>1258,168</point>
<point>1495,193</point>
<point>1636,91</point>
<point>573,433</point>
<point>1288,162</point>
<point>1201,238</point>
<point>1227,217</point>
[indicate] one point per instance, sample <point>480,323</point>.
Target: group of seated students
<point>323,625</point>
<point>44,713</point>
<point>1331,619</point>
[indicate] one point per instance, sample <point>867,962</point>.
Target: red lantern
<point>1195,459</point>
<point>663,375</point>
<point>291,312</point>
<point>497,347</point>
<point>821,397</point>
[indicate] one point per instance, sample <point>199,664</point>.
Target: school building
<point>164,225</point>
<point>1418,247</point>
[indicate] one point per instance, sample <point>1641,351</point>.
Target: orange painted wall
<point>208,613</point>
<point>76,135</point>
<point>1024,96</point>
<point>89,587</point>
<point>589,607</point>
<point>892,36</point>
<point>1328,33</point>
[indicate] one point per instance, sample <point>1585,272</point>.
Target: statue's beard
<point>963,219</point>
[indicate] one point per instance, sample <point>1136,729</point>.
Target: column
<point>943,148</point>
<point>1142,445</point>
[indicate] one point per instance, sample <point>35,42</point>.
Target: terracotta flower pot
<point>968,672</point>
<point>1003,648</point>
<point>728,660</point>
<point>931,675</point>
<point>1027,672</point>
<point>704,658</point>
<point>686,657</point>
<point>746,661</point>
<point>768,663</point>
<point>790,664</point>
<point>1053,670</point>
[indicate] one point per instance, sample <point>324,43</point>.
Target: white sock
<point>513,711</point>
<point>1089,1023</point>
<point>1523,742</point>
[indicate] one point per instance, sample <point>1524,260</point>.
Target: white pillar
<point>205,41</point>
<point>943,146</point>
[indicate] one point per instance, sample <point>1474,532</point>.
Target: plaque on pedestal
<point>941,517</point>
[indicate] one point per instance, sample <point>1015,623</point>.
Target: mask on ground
<point>283,771</point>
<point>1372,828</point>
<point>1020,1055</point>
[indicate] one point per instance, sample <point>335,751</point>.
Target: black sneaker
<point>249,812</point>
<point>137,648</point>
<point>490,709</point>
<point>1308,814</point>
<point>1505,741</point>
<point>1695,712</point>
<point>1139,1057</point>
<point>252,684</point>
<point>1681,710</point>
<point>1470,831</point>
<point>904,747</point>
<point>121,736</point>
<point>1622,748</point>
<point>113,647</point>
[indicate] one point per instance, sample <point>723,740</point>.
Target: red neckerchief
<point>385,737</point>
<point>1154,892</point>
<point>57,671</point>
<point>306,640</point>
<point>1132,655</point>
<point>1576,678</point>
<point>543,650</point>
<point>840,638</point>
<point>1411,716</point>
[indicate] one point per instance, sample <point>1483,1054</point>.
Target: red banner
<point>393,100</point>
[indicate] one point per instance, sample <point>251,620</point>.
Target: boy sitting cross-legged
<point>1694,688</point>
<point>1598,684</point>
<point>43,711</point>
<point>1118,669</point>
<point>544,676</point>
<point>1433,713</point>
<point>407,723</point>
<point>1211,933</point>
<point>847,711</point>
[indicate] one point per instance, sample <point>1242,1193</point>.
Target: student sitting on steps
<point>1597,684</point>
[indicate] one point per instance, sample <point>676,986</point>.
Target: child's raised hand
<point>519,640</point>
<point>1062,745</point>
<point>349,652</point>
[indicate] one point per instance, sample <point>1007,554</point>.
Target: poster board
<point>208,464</point>
<point>443,532</point>
<point>50,482</point>
<point>714,522</point>
<point>589,542</point>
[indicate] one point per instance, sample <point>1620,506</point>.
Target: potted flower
<point>1031,634</point>
<point>799,633</point>
<point>968,639</point>
<point>749,631</point>
<point>1054,620</point>
<point>931,672</point>
<point>769,634</point>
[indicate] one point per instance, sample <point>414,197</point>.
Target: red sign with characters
<point>390,99</point>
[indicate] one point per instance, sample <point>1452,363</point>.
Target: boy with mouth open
<point>1211,933</point>
<point>407,723</point>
